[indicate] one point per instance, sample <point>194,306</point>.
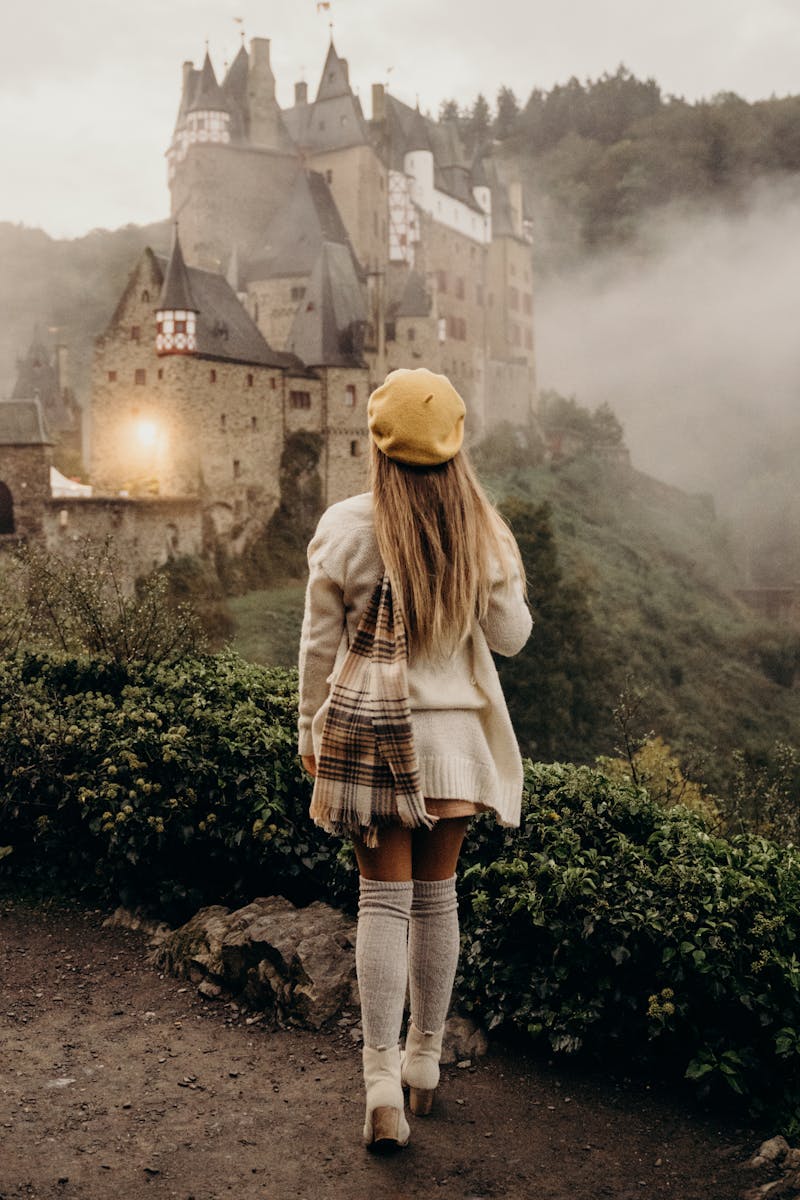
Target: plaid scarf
<point>367,771</point>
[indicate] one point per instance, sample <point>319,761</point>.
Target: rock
<point>773,1149</point>
<point>463,1038</point>
<point>194,950</point>
<point>792,1159</point>
<point>297,964</point>
<point>769,1152</point>
<point>126,918</point>
<point>210,990</point>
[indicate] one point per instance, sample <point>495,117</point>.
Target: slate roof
<point>234,89</point>
<point>208,95</point>
<point>22,424</point>
<point>297,232</point>
<point>176,292</point>
<point>225,329</point>
<point>408,294</point>
<point>335,119</point>
<point>406,130</point>
<point>328,329</point>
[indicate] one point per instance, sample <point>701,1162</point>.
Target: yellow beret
<point>417,417</point>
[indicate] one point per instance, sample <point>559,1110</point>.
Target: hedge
<point>606,928</point>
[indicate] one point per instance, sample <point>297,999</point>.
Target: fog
<point>692,338</point>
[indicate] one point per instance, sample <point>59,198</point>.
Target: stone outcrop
<point>296,964</point>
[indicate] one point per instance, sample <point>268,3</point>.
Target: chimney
<point>301,93</point>
<point>259,54</point>
<point>515,203</point>
<point>378,102</point>
<point>188,67</point>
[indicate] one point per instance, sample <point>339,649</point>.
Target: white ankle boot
<point>420,1067</point>
<point>385,1125</point>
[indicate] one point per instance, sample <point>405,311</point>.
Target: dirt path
<point>118,1083</point>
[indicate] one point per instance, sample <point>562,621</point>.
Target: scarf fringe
<point>367,832</point>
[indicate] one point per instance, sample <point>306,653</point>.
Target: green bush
<point>618,930</point>
<point>170,787</point>
<point>607,927</point>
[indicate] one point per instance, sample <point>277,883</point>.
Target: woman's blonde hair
<point>441,540</point>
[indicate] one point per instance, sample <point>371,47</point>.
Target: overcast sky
<point>89,90</point>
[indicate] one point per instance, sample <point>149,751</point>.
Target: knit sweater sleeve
<point>323,625</point>
<point>508,621</point>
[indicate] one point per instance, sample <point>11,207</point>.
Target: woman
<point>402,719</point>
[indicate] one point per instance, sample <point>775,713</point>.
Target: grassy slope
<point>660,577</point>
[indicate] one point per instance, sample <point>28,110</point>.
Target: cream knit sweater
<point>464,739</point>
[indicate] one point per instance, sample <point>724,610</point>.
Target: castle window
<point>355,449</point>
<point>112,376</point>
<point>298,293</point>
<point>272,383</point>
<point>350,395</point>
<point>180,327</point>
<point>136,333</point>
<point>513,298</point>
<point>329,176</point>
<point>145,296</point>
<point>254,424</point>
<point>255,312</point>
<point>441,281</point>
<point>300,399</point>
<point>391,331</point>
<point>459,288</point>
<point>140,376</point>
<point>249,380</point>
<point>160,372</point>
<point>412,333</point>
<point>212,376</point>
<point>237,468</point>
<point>222,422</point>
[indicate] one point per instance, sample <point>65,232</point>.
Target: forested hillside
<point>596,156</point>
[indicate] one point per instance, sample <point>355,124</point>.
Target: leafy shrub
<point>607,926</point>
<point>82,605</point>
<point>613,928</point>
<point>168,786</point>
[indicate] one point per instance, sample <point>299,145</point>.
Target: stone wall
<point>359,183</point>
<point>191,427</point>
<point>455,266</point>
<point>145,533</point>
<point>272,305</point>
<point>345,461</point>
<point>25,471</point>
<point>225,196</point>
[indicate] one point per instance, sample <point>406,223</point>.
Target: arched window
<point>6,510</point>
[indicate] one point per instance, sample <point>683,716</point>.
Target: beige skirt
<point>453,808</point>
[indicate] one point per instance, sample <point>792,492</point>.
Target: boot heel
<point>385,1130</point>
<point>420,1101</point>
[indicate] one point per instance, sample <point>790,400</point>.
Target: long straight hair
<point>441,541</point>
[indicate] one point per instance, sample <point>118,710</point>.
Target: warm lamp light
<point>147,433</point>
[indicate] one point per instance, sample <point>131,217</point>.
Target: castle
<point>314,251</point>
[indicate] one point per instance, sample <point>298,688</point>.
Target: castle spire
<point>176,315</point>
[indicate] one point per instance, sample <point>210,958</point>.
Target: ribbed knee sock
<point>433,944</point>
<point>382,958</point>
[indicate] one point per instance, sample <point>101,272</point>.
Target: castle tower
<point>337,142</point>
<point>176,315</point>
<point>231,159</point>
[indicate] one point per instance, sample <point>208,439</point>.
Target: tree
<point>449,111</point>
<point>507,116</point>
<point>476,127</point>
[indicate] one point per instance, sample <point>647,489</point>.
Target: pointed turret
<point>335,79</point>
<point>208,94</point>
<point>176,315</point>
